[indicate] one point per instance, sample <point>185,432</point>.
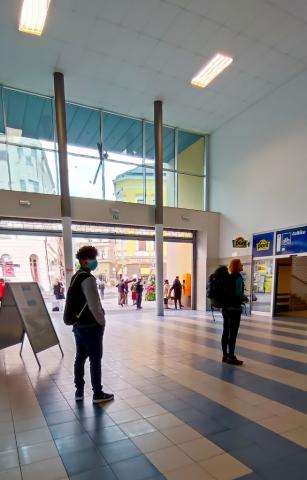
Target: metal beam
<point>59,98</point>
<point>158,126</point>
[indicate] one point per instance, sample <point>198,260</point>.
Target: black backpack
<point>219,288</point>
<point>74,306</point>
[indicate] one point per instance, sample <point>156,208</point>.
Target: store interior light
<point>33,16</point>
<point>211,70</point>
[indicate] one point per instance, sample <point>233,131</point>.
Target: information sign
<point>23,311</point>
<point>291,241</point>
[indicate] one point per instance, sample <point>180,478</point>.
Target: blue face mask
<point>92,264</point>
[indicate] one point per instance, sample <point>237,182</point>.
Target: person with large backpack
<point>83,310</point>
<point>226,291</point>
<point>232,312</point>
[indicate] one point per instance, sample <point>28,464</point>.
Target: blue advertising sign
<point>291,241</point>
<point>263,244</point>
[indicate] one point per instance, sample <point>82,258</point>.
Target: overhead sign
<point>291,241</point>
<point>263,244</point>
<point>240,242</point>
<point>23,310</point>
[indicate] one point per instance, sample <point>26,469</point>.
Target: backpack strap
<point>80,272</point>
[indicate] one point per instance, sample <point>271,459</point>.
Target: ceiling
<point>123,54</point>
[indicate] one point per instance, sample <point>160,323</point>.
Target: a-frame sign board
<point>23,311</point>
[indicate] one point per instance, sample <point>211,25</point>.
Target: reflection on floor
<point>179,412</point>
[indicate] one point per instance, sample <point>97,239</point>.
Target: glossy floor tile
<point>179,412</point>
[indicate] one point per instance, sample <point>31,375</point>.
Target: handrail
<point>299,279</point>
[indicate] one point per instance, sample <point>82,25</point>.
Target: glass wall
<point>110,156</point>
<point>191,168</point>
<point>27,149</point>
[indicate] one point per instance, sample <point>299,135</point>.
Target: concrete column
<point>159,205</point>
<point>59,96</point>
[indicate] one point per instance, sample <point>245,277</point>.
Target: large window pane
<point>30,170</point>
<point>191,150</point>
<point>122,138</point>
<point>1,115</point>
<point>28,117</point>
<point>168,145</point>
<point>190,192</point>
<point>150,186</point>
<point>124,182</point>
<point>85,177</point>
<point>83,130</point>
<point>169,188</point>
<point>5,183</point>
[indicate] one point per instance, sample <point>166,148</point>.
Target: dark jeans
<point>231,326</point>
<point>177,299</point>
<point>139,300</point>
<point>88,345</point>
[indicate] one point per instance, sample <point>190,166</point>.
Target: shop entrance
<point>33,251</point>
<point>291,287</point>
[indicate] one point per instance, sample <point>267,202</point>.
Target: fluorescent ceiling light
<point>211,70</point>
<point>33,16</point>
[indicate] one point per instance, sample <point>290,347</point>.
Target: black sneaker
<point>103,397</point>
<point>234,361</point>
<point>79,395</point>
<point>225,358</point>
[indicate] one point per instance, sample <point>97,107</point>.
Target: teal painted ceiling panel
<point>122,135</point>
<point>2,129</point>
<point>31,114</point>
<point>168,143</point>
<point>186,139</point>
<point>83,126</point>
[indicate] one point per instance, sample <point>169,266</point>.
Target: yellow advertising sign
<point>263,245</point>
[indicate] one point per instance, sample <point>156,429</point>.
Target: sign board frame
<point>291,241</point>
<point>263,244</point>
<point>23,311</point>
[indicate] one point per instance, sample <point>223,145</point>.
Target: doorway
<point>291,287</point>
<point>33,251</point>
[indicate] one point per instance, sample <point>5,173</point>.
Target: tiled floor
<point>179,412</point>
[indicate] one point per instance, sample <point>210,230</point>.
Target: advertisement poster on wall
<point>263,244</point>
<point>291,241</point>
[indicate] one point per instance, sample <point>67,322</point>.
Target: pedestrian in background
<point>177,289</point>
<point>134,295</point>
<point>166,293</point>
<point>121,292</point>
<point>139,291</point>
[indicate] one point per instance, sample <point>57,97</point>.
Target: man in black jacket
<point>83,303</point>
<point>177,288</point>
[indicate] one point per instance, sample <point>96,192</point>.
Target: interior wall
<point>258,166</point>
<point>178,261</point>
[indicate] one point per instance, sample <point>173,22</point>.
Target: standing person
<point>58,291</point>
<point>134,295</point>
<point>166,293</point>
<point>101,287</point>
<point>232,312</point>
<point>126,291</point>
<point>177,288</point>
<point>2,289</point>
<point>83,305</point>
<point>139,292</point>
<point>121,292</point>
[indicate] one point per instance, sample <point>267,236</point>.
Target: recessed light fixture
<point>33,16</point>
<point>211,70</point>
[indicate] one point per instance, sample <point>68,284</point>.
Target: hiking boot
<point>79,395</point>
<point>234,361</point>
<point>103,397</point>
